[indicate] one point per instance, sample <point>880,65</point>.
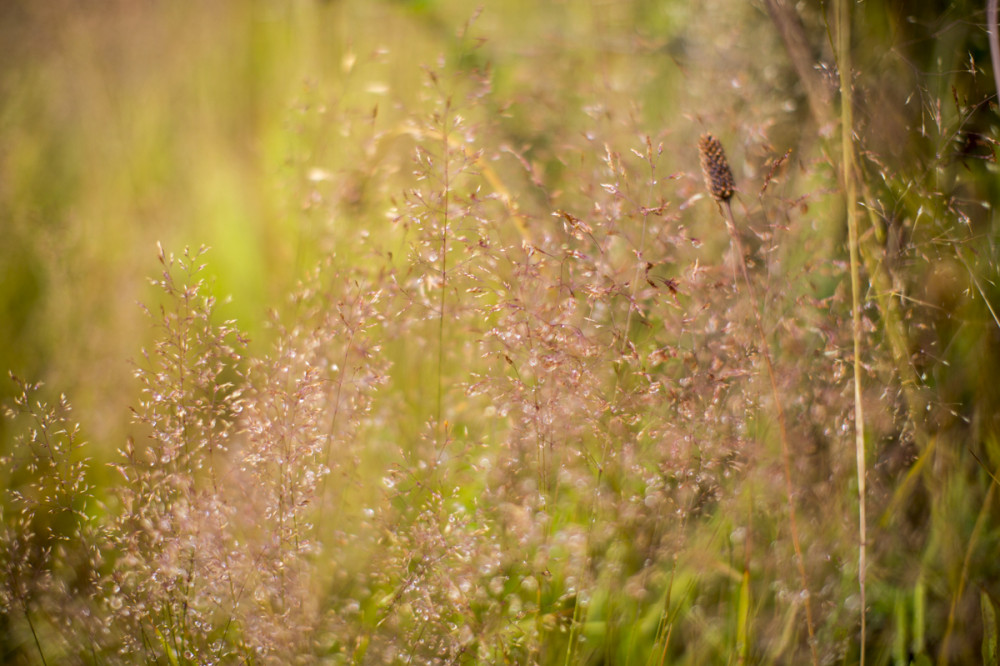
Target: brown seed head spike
<point>718,176</point>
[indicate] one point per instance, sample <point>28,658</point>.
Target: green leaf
<point>169,651</point>
<point>991,653</point>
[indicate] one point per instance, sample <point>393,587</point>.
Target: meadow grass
<point>533,375</point>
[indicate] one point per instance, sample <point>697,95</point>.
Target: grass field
<point>416,331</point>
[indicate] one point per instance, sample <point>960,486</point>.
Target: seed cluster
<point>718,176</point>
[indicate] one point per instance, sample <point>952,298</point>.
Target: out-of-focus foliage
<point>493,393</point>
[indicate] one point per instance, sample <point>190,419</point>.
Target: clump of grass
<point>52,546</point>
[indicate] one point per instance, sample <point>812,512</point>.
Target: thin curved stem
<point>851,197</point>
<point>786,453</point>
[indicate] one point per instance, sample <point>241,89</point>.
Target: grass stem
<point>851,197</point>
<point>786,453</point>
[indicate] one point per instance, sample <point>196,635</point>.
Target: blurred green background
<point>124,124</point>
<point>248,126</point>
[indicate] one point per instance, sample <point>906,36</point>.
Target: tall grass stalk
<point>786,453</point>
<point>991,21</point>
<point>721,185</point>
<point>445,200</point>
<point>851,196</point>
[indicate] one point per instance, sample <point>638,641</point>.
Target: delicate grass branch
<point>721,185</point>
<point>445,202</point>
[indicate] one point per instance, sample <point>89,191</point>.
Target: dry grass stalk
<point>721,185</point>
<point>851,194</point>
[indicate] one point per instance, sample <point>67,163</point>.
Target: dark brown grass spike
<point>718,175</point>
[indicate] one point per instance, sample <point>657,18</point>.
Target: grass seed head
<point>718,175</point>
